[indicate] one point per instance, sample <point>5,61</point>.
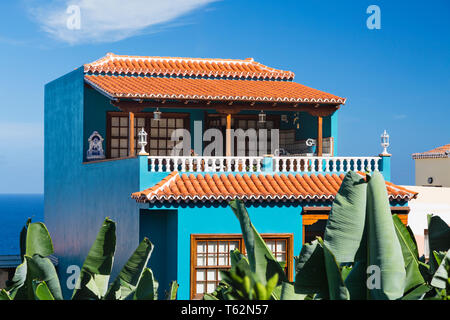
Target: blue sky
<point>396,78</point>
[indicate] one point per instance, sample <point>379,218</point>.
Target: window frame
<point>235,118</point>
<point>195,238</point>
<point>148,115</point>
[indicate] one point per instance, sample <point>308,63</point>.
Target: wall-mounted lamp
<point>157,115</point>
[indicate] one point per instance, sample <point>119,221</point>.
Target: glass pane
<point>114,153</point>
<point>201,260</point>
<point>201,247</point>
<point>163,133</point>
<point>242,124</point>
<point>123,143</point>
<point>179,123</point>
<point>115,132</point>
<point>154,133</point>
<point>211,287</point>
<point>223,246</point>
<point>223,260</point>
<point>153,143</point>
<point>252,124</point>
<point>114,143</point>
<point>162,144</point>
<point>201,275</point>
<point>163,122</point>
<point>212,247</point>
<point>281,246</point>
<point>123,132</point>
<point>154,123</point>
<point>141,122</point>
<point>162,152</point>
<point>115,121</point>
<point>212,259</point>
<point>123,152</point>
<point>200,288</point>
<point>124,121</point>
<point>171,123</point>
<point>154,152</point>
<point>211,274</point>
<point>271,245</point>
<point>169,133</point>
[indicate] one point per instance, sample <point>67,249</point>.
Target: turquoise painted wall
<point>220,219</point>
<point>79,196</point>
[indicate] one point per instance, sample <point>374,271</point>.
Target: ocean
<point>14,211</point>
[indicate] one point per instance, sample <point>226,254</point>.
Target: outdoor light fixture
<point>262,117</point>
<point>385,142</point>
<point>157,115</point>
<point>142,141</point>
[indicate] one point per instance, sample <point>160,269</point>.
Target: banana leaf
<point>288,292</point>
<point>172,293</point>
<point>129,276</point>
<point>42,269</point>
<point>336,287</point>
<point>310,270</point>
<point>4,295</point>
<point>441,277</point>
<point>438,238</point>
<point>383,246</point>
<point>16,286</point>
<point>147,288</point>
<point>410,253</point>
<point>38,240</point>
<point>345,225</point>
<point>41,291</point>
<point>261,260</point>
<point>417,293</point>
<point>95,273</point>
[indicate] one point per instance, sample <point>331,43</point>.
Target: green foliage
<point>360,232</point>
<point>36,278</point>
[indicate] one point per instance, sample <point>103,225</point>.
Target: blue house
<point>111,149</point>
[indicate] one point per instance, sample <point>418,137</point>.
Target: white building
<point>432,171</point>
<point>433,167</point>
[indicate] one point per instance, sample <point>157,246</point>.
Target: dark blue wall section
<point>160,226</point>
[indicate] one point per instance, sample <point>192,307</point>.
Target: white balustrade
<point>204,164</point>
<point>255,164</point>
<point>325,164</point>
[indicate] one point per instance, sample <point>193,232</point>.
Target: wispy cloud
<point>400,116</point>
<point>106,20</point>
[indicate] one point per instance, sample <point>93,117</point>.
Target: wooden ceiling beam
<point>314,109</point>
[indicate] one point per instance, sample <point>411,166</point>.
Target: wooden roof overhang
<point>225,107</point>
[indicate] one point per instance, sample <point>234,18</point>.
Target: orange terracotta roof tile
<point>177,187</point>
<point>207,89</point>
<point>175,66</point>
<point>439,152</point>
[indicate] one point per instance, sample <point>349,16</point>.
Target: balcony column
<point>228,136</point>
<point>131,110</point>
<point>131,139</point>
<point>319,136</point>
